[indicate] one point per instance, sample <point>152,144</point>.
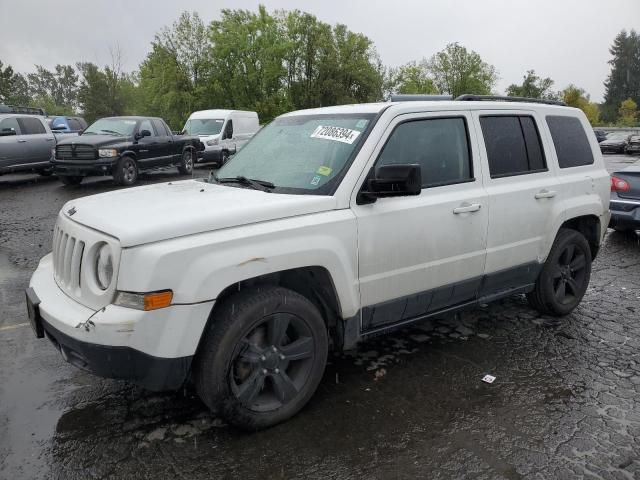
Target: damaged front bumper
<point>152,349</point>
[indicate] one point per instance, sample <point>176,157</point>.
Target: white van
<point>223,132</point>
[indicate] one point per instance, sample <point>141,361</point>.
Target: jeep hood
<point>136,216</point>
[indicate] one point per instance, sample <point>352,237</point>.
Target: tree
<point>627,113</point>
<point>533,86</point>
<point>14,89</point>
<point>456,71</point>
<point>56,91</point>
<point>624,80</point>
<point>577,97</point>
<point>411,78</point>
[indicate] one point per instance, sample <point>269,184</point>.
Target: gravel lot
<point>565,403</point>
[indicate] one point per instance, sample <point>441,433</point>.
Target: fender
<point>199,267</point>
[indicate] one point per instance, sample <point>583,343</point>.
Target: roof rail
<point>418,98</point>
<point>503,98</point>
<point>20,109</point>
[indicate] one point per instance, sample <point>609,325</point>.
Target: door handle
<point>22,141</point>
<point>467,207</point>
<point>544,193</point>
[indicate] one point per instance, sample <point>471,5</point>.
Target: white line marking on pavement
<point>13,327</point>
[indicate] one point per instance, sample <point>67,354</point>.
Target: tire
<point>565,275</point>
<point>262,346</point>
<point>224,158</point>
<point>70,180</point>
<point>126,172</point>
<point>186,163</point>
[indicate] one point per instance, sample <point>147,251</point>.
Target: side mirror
<point>393,181</point>
<point>7,132</point>
<point>142,134</point>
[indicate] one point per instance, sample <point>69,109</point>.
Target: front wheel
<point>262,357</point>
<point>186,163</point>
<point>224,158</point>
<point>126,173</point>
<point>565,275</point>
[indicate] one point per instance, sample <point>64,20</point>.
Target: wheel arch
<point>589,226</point>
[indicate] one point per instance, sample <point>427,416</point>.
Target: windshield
<point>617,136</point>
<point>112,126</point>
<point>203,126</point>
<point>300,153</point>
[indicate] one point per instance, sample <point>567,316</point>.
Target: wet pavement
<point>565,403</point>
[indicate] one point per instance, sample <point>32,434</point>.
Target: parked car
<point>223,132</point>
<point>342,222</point>
<point>66,124</point>
<point>25,143</point>
<point>601,135</point>
<point>633,145</point>
<point>121,147</point>
<point>615,143</point>
<point>625,199</point>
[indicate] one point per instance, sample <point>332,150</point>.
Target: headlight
<point>53,153</point>
<point>108,152</point>
<point>213,142</point>
<point>144,301</point>
<point>104,267</point>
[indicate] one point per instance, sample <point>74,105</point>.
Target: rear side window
<point>438,145</point>
<point>570,140</point>
<point>74,124</point>
<point>513,145</point>
<point>31,126</point>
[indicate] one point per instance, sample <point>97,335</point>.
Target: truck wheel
<point>126,172</point>
<point>565,276</point>
<point>224,158</point>
<point>70,180</point>
<point>186,163</point>
<point>262,357</point>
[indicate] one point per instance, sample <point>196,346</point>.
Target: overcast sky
<point>567,40</point>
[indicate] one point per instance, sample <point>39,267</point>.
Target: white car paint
<point>198,239</point>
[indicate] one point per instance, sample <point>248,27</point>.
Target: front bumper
<point>152,349</point>
<point>84,168</point>
<point>625,214</point>
<point>211,154</point>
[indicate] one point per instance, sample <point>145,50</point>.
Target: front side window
<point>513,145</point>
<point>10,125</point>
<point>146,125</point>
<point>203,126</point>
<point>159,127</point>
<point>570,141</point>
<point>120,127</point>
<point>438,145</point>
<point>303,154</point>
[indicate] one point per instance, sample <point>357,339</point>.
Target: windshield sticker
<point>316,180</point>
<point>326,171</point>
<point>362,123</point>
<point>337,134</point>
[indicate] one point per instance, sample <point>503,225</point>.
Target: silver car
<point>26,142</point>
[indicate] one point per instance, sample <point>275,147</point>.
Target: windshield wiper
<point>263,185</point>
<point>113,132</point>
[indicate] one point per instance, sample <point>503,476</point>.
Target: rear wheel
<point>565,276</point>
<point>126,172</point>
<point>70,179</point>
<point>186,163</point>
<point>262,357</point>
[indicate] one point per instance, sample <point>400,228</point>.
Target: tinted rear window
<point>570,141</point>
<point>74,124</point>
<point>31,126</point>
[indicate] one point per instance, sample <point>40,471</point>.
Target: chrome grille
<point>67,258</point>
<point>76,152</point>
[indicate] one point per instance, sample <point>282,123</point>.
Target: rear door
<point>524,200</point>
<point>11,146</point>
<point>36,140</point>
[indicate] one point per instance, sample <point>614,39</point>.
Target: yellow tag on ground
<point>326,171</point>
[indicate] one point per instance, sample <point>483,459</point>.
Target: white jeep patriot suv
<point>336,223</point>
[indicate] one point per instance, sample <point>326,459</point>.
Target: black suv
<point>121,147</point>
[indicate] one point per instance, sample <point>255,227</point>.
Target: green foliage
<point>576,97</point>
<point>456,71</point>
<point>56,92</point>
<point>411,78</point>
<point>628,113</point>
<point>14,89</point>
<point>533,86</point>
<point>624,80</point>
<point>104,92</point>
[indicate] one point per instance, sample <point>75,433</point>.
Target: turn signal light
<point>153,301</point>
<point>619,185</point>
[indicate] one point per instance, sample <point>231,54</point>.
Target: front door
<point>421,254</point>
<point>10,145</point>
<point>149,148</point>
